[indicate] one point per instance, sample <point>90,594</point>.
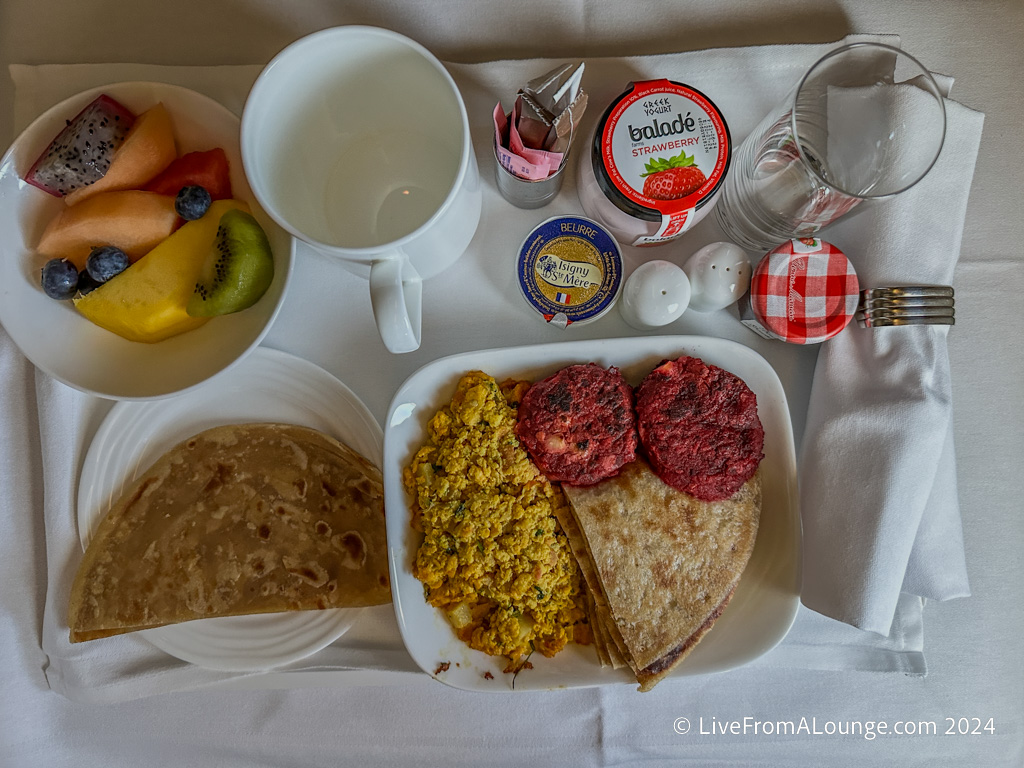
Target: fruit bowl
<point>63,343</point>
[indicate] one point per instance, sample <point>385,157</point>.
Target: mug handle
<point>396,293</point>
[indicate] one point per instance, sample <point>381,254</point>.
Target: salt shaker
<point>657,293</point>
<point>719,274</point>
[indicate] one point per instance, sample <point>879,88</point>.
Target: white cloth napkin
<point>878,473</point>
<point>744,83</point>
<point>881,140</point>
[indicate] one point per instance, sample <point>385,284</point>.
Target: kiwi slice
<point>238,270</point>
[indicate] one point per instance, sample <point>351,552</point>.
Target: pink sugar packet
<point>521,161</point>
<point>535,156</point>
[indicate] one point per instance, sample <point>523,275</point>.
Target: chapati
<point>665,563</point>
<point>239,519</point>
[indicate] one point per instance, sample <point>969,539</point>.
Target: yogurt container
<point>657,162</point>
<point>569,269</point>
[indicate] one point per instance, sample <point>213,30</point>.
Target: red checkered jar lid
<point>804,291</point>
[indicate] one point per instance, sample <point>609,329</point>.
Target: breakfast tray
<point>475,305</point>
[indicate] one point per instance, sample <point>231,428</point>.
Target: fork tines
<point>906,305</point>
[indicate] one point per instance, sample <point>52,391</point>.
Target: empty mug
<point>356,141</point>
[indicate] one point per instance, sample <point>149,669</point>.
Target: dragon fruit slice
<point>81,153</point>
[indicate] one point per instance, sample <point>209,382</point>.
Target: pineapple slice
<point>147,301</point>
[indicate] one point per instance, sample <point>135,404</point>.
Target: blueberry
<point>86,284</point>
<point>106,262</point>
<point>192,203</point>
<point>59,279</point>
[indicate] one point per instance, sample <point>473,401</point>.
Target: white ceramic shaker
<point>719,274</point>
<point>657,293</point>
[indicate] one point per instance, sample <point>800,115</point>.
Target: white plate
<point>268,386</point>
<point>55,337</point>
<point>766,600</point>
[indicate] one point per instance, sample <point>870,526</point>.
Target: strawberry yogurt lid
<point>661,151</point>
<point>804,291</point>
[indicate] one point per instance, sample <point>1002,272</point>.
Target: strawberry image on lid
<point>673,178</point>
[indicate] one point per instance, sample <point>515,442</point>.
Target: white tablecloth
<point>973,672</point>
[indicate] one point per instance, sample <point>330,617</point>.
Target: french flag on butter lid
<point>804,291</point>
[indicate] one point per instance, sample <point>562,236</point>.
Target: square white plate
<point>766,600</point>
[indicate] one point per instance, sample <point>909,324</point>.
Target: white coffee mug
<point>356,140</point>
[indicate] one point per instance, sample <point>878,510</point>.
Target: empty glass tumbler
<point>865,123</point>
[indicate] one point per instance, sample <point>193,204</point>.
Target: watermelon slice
<point>207,169</point>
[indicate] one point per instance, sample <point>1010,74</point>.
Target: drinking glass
<point>865,123</point>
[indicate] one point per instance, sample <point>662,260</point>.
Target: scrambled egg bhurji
<point>493,557</point>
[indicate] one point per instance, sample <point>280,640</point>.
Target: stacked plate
<point>906,305</point>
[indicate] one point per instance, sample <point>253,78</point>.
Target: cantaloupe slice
<point>133,220</point>
<point>147,150</point>
<point>147,301</point>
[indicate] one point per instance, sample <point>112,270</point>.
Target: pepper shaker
<point>719,274</point>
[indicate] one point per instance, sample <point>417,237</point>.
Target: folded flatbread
<point>241,519</point>
<point>661,564</point>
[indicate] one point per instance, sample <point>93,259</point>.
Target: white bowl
<point>60,341</point>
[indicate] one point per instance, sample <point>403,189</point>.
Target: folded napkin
<point>881,141</point>
<point>744,82</point>
<point>878,473</point>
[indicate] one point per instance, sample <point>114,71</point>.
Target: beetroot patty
<point>578,426</point>
<point>699,426</point>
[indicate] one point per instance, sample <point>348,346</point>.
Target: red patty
<point>578,425</point>
<point>699,427</point>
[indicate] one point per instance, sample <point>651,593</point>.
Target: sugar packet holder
<point>532,142</point>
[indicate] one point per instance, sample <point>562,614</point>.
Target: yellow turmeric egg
<point>493,556</point>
